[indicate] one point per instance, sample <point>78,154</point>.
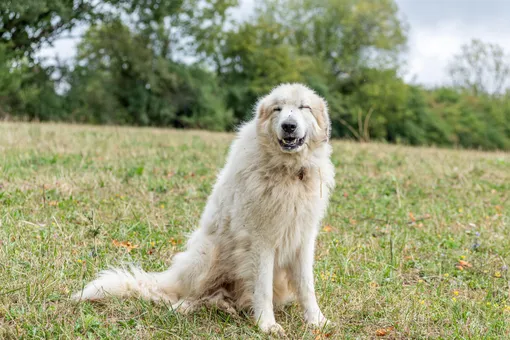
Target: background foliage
<point>191,64</point>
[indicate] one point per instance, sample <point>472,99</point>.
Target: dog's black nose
<point>289,127</point>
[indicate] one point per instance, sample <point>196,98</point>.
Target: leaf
<point>125,244</point>
<point>320,335</point>
<point>327,228</point>
<point>411,216</point>
<point>384,331</point>
<point>465,264</point>
<point>381,332</point>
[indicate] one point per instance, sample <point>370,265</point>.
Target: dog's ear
<point>262,111</point>
<point>322,117</point>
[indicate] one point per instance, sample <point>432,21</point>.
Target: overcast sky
<point>437,29</point>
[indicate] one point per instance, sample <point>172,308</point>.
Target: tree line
<point>195,64</point>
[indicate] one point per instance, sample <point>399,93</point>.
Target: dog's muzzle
<point>290,140</point>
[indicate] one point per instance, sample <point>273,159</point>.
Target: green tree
<point>348,34</point>
<point>122,79</point>
<point>26,25</point>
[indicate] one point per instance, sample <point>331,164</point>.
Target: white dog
<point>255,245</point>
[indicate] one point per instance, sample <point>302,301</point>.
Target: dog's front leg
<point>302,279</point>
<point>263,291</point>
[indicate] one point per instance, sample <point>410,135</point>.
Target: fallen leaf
<point>381,332</point>
<point>384,331</point>
<point>463,264</point>
<point>320,335</point>
<point>174,241</point>
<point>411,216</point>
<point>125,244</point>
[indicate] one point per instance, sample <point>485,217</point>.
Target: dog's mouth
<point>291,143</point>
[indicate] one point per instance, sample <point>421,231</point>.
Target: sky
<point>437,29</point>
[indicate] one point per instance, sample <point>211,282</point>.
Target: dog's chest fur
<point>289,206</point>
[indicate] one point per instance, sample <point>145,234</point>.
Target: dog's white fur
<point>255,244</point>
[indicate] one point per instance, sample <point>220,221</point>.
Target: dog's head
<point>294,118</point>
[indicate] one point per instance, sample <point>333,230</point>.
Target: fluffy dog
<point>255,245</point>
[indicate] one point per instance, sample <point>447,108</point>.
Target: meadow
<point>416,242</point>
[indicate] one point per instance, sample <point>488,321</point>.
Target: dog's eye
<point>305,107</point>
<point>277,108</point>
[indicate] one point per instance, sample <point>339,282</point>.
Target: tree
<point>120,78</point>
<point>336,46</point>
<point>26,25</point>
<point>480,68</point>
<point>348,34</point>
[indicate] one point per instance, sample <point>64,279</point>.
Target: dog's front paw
<point>185,307</point>
<point>272,328</point>
<point>316,319</point>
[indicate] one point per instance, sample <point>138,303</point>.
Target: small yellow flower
<point>456,292</point>
<point>153,243</point>
<point>463,257</point>
<point>422,302</point>
<point>461,210</point>
<point>497,274</point>
<point>446,275</point>
<point>507,308</point>
<point>162,206</point>
<point>454,299</point>
<point>488,304</point>
<point>420,281</point>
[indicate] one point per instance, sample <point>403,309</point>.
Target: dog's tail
<point>131,281</point>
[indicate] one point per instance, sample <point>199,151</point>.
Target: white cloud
<point>432,48</point>
<point>439,28</point>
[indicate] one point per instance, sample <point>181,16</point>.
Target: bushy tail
<point>131,281</point>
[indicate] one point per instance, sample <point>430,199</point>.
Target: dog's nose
<point>289,127</point>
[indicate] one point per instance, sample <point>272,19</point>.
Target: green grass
<point>399,222</point>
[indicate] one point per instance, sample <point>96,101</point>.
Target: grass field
<point>416,242</point>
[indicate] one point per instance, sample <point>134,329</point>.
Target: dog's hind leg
<point>189,273</point>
